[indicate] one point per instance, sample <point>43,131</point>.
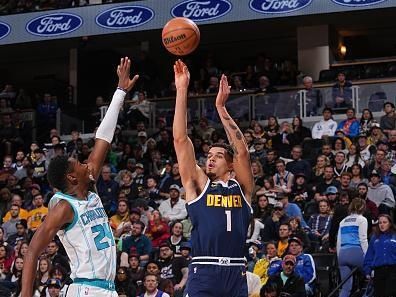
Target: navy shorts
<point>216,281</point>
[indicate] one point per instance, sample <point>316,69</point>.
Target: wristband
<point>124,90</point>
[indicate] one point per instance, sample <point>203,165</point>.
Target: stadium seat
<point>376,101</point>
<point>326,272</point>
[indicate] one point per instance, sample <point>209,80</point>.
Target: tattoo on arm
<point>226,118</point>
<point>238,135</point>
<point>233,127</point>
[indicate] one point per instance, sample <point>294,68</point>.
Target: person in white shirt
<point>325,127</point>
<point>173,208</point>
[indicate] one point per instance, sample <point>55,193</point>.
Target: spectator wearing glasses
<point>123,284</point>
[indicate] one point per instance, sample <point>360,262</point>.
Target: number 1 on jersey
<point>228,215</point>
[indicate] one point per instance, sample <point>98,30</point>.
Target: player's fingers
<point>135,78</point>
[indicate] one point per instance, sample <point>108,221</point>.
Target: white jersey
<point>88,240</point>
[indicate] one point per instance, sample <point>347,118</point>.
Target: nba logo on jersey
<point>86,291</point>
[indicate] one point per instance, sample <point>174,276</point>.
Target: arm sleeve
<point>369,258</point>
<point>363,234</point>
<point>107,126</point>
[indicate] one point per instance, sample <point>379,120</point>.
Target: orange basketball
<point>180,36</point>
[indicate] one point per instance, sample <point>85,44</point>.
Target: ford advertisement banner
<point>154,14</point>
<point>124,17</point>
<point>54,24</point>
<point>198,10</point>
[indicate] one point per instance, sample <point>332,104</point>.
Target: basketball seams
<point>177,36</point>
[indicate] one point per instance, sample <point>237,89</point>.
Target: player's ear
<point>71,179</point>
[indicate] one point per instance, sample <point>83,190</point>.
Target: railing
<point>246,106</point>
<point>336,289</point>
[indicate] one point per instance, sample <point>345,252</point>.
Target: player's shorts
<point>217,277</point>
<point>91,288</point>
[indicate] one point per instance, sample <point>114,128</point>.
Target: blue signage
<point>357,3</point>
<point>202,10</point>
<point>54,24</point>
<point>124,17</point>
<point>278,6</point>
<point>4,30</point>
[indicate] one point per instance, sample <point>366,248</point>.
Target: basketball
<point>180,36</point>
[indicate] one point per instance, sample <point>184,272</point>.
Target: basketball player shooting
<point>77,214</point>
<point>218,205</point>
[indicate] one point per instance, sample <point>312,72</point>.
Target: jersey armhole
<point>68,226</point>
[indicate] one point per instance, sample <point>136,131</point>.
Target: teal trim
<point>66,196</point>
<point>70,200</point>
<point>100,283</point>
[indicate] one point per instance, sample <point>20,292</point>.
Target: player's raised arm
<point>192,176</point>
<point>104,134</point>
<point>59,216</point>
<point>235,137</point>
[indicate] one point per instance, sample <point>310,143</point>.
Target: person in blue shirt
<point>380,258</point>
<point>291,209</point>
<point>350,126</point>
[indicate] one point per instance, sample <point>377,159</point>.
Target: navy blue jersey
<point>220,216</point>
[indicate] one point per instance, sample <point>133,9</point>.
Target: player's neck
<point>78,192</point>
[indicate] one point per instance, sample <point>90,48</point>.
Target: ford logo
<point>357,2</point>
<point>202,10</point>
<point>124,17</point>
<point>4,30</point>
<point>54,24</point>
<point>278,6</point>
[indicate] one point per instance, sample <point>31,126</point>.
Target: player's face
<point>79,170</point>
<point>216,164</point>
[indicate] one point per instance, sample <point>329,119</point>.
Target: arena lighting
<point>343,50</point>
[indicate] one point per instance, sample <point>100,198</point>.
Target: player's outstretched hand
<point>182,75</point>
<point>224,92</point>
<point>123,72</point>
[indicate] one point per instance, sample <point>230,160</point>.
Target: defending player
<point>219,206</point>
<point>77,215</point>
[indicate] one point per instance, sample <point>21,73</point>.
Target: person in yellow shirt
<point>122,214</point>
<point>23,213</point>
<point>283,243</point>
<point>37,214</point>
<point>269,264</point>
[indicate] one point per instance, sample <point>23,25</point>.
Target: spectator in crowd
<point>291,209</point>
<point>44,266</point>
<point>380,258</point>
<point>318,170</point>
<point>352,243</point>
<point>157,229</point>
<point>36,215</point>
<point>300,132</point>
<point>21,234</point>
<point>22,213</point>
<point>176,238</point>
<point>371,207</point>
<point>272,224</point>
<point>268,265</point>
<point>356,171</point>
<point>135,270</point>
<point>173,208</point>
<point>305,265</point>
<point>122,214</point>
<point>350,126</point>
<point>123,283</point>
<point>9,135</point>
<point>380,193</point>
<point>185,251</point>
<point>136,243</point>
<point>313,96</point>
<point>172,179</point>
<point>272,128</point>
<point>262,210</point>
<point>55,257</point>
<point>388,120</point>
<point>376,163</point>
<point>139,110</point>
<point>325,127</point>
<point>296,230</point>
<point>253,283</point>
<point>204,131</point>
<point>46,113</point>
<point>319,225</point>
<point>259,153</point>
<point>342,92</point>
<point>151,282</point>
<point>173,268</point>
<point>283,242</point>
<point>282,141</point>
<point>6,259</point>
<point>125,228</point>
<point>283,179</point>
<point>107,189</point>
<point>339,164</point>
<point>366,122</point>
<point>288,281</point>
<point>54,287</point>
<point>298,165</point>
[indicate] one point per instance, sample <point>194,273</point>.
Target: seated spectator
<point>21,234</point>
<point>339,144</point>
<point>124,228</point>
<point>135,270</point>
<point>204,131</point>
<point>272,224</point>
<point>253,283</point>
<point>282,140</point>
<point>319,225</point>
<point>6,170</point>
<point>55,257</point>
<point>357,176</point>
<point>139,110</point>
<point>376,163</point>
<point>272,129</point>
<point>157,229</point>
<point>153,192</point>
<point>298,165</point>
<point>380,193</point>
<point>366,122</point>
<point>342,92</point>
<point>318,170</point>
<point>123,284</point>
<point>283,179</point>
<point>301,193</point>
<point>173,268</point>
<point>46,112</point>
<point>2,235</point>
<point>350,126</point>
<point>262,209</point>
<point>136,243</point>
<point>151,282</point>
<point>185,251</point>
<point>283,242</point>
<point>288,281</point>
<point>36,215</point>
<point>22,213</point>
<point>176,237</point>
<point>258,173</point>
<point>254,230</point>
<point>268,265</point>
<point>353,157</point>
<point>54,287</point>
<point>376,134</point>
<point>313,96</point>
<point>297,231</point>
<point>9,135</point>
<point>388,120</point>
<point>268,190</point>
<point>107,189</point>
<point>387,176</point>
<point>122,214</point>
<point>339,164</point>
<point>44,266</point>
<point>259,154</point>
<point>174,208</point>
<point>6,259</point>
<point>305,265</point>
<point>58,272</point>
<point>325,127</point>
<point>172,179</point>
<point>371,207</point>
<point>291,209</point>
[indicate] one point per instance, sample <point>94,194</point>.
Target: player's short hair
<point>229,150</point>
<point>57,171</point>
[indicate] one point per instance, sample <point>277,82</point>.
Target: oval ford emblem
<point>124,17</point>
<point>54,24</point>
<point>357,2</point>
<point>202,10</point>
<point>278,6</point>
<point>5,29</point>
